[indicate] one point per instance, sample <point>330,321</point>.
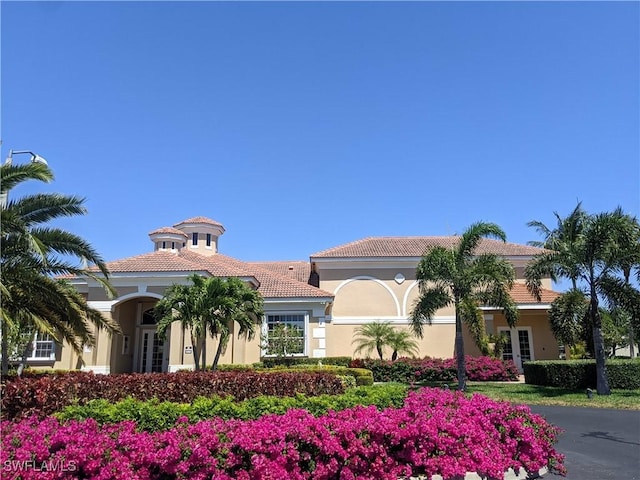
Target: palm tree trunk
<point>5,350</point>
<point>23,357</point>
<point>459,346</point>
<point>379,349</point>
<point>203,349</point>
<point>216,359</point>
<point>195,348</point>
<point>602,383</point>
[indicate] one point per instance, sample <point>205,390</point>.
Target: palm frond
<point>430,301</point>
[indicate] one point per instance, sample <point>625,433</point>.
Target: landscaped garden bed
<point>410,370</point>
<point>43,395</point>
<point>434,432</point>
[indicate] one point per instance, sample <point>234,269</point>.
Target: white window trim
<point>34,344</point>
<point>305,350</point>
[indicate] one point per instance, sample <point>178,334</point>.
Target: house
<point>326,299</point>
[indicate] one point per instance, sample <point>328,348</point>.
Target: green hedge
<point>153,415</point>
<point>269,362</point>
<point>577,374</point>
<point>362,376</point>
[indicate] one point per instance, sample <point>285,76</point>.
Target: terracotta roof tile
<point>172,230</point>
<point>199,220</point>
<point>416,246</point>
<point>296,269</point>
<point>272,284</point>
<point>158,261</point>
<point>520,295</point>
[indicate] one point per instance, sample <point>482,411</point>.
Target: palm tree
<point>179,304</point>
<point>595,259</point>
<point>210,306</point>
<point>33,253</point>
<point>466,279</point>
<point>238,304</point>
<point>401,341</point>
<point>563,237</point>
<point>372,336</point>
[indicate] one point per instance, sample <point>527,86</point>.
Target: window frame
<point>194,239</point>
<point>39,339</point>
<point>305,332</point>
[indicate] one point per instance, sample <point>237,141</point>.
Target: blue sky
<point>304,125</point>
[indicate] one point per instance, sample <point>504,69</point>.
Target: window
<point>285,334</point>
<point>43,347</point>
<point>173,245</point>
<point>194,239</point>
<point>209,240</point>
<point>164,245</point>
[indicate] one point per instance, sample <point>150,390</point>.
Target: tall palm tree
<point>596,260</point>
<point>466,279</point>
<point>401,341</point>
<point>372,336</point>
<point>209,307</point>
<point>562,238</point>
<point>180,304</point>
<point>239,305</point>
<point>33,253</point>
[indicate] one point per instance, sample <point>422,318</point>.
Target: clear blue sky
<point>304,125</point>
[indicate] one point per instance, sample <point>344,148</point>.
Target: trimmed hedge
<point>269,362</point>
<point>44,394</point>
<point>409,370</point>
<point>153,415</point>
<point>362,376</point>
<point>578,374</point>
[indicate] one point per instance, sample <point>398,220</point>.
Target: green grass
<point>539,395</point>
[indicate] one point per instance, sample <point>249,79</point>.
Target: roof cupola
<point>202,234</point>
<point>168,239</point>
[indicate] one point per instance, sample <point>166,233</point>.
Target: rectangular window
<point>44,347</point>
<point>285,335</point>
<point>164,245</point>
<point>173,245</point>
<point>194,239</point>
<point>208,240</point>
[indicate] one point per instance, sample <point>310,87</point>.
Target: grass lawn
<point>539,395</point>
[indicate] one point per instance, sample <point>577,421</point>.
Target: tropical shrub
<point>576,374</point>
<point>153,415</point>
<point>46,394</point>
<point>408,370</point>
<point>435,432</point>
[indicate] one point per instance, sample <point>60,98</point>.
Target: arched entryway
<point>139,349</point>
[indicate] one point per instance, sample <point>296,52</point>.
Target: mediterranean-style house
<point>326,298</point>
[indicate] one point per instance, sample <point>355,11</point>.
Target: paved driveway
<point>599,444</point>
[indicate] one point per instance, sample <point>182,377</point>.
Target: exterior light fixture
<point>589,393</point>
<point>35,158</point>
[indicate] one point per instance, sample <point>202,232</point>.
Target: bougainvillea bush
<point>435,432</point>
<point>410,370</point>
<point>45,394</point>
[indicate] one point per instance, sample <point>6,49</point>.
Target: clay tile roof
<point>296,269</point>
<point>416,246</point>
<point>218,265</point>
<point>206,220</point>
<point>159,261</point>
<point>172,230</point>
<point>520,294</point>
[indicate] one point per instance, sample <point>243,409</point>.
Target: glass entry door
<point>519,345</point>
<point>152,352</point>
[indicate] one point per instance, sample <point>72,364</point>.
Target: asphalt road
<point>599,444</point>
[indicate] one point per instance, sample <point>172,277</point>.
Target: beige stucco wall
<point>437,341</point>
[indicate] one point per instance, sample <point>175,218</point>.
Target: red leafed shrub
<point>45,394</point>
<point>409,370</point>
